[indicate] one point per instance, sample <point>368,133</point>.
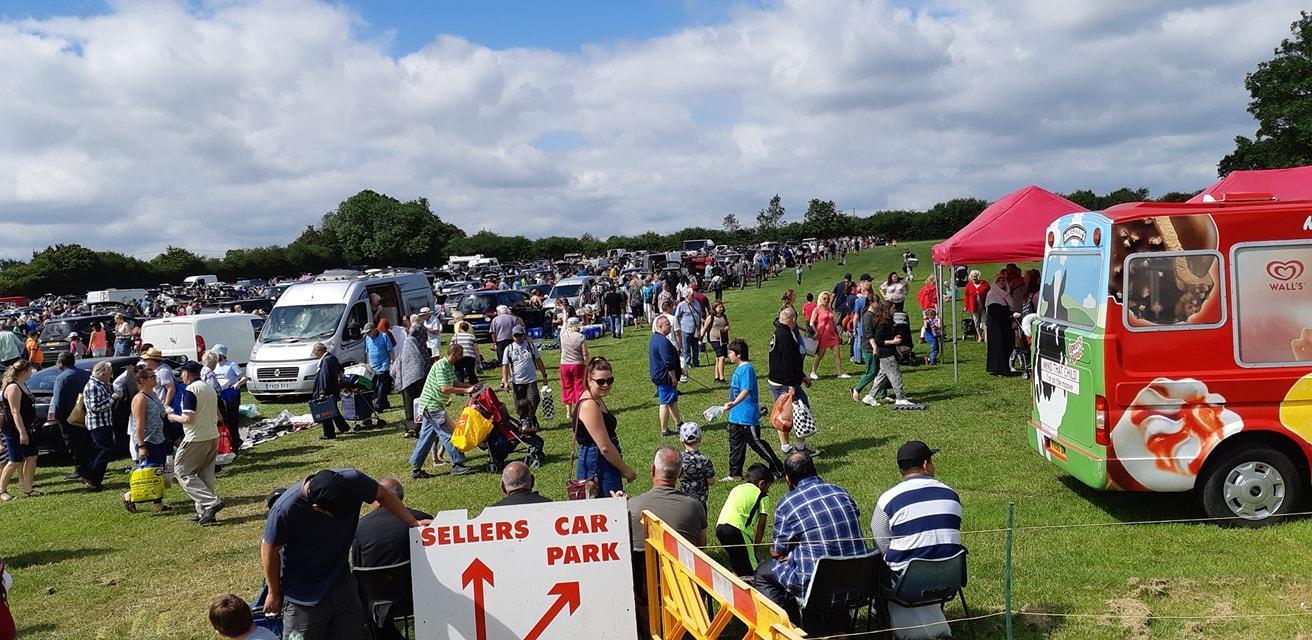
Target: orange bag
<point>781,416</point>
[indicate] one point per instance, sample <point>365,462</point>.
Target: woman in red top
<point>976,289</point>
<point>826,334</point>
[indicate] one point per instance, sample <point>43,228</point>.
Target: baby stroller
<point>968,328</point>
<point>507,436</point>
<point>357,400</point>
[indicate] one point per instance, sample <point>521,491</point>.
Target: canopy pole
<point>955,299</point>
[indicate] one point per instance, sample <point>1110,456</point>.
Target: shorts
<point>667,393</point>
<point>721,350</point>
<point>16,449</point>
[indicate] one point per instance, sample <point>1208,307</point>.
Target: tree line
<point>376,230</point>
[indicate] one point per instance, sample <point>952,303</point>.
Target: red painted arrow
<point>478,573</point>
<point>567,593</point>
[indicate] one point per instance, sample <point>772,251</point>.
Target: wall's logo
<point>1284,272</point>
<point>1307,224</point>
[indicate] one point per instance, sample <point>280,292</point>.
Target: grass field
<point>86,569</point>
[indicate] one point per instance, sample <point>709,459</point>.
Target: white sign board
<point>534,571</point>
<point>1059,375</point>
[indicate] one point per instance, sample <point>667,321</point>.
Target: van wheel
<point>1251,486</point>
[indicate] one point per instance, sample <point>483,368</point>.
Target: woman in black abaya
<point>1001,336</point>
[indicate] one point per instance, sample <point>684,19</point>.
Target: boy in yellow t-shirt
<point>744,517</point>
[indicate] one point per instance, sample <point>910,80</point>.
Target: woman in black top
<point>594,431</point>
<point>18,415</point>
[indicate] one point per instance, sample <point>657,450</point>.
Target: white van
<point>123,296</point>
<point>332,310</point>
<point>208,278</point>
<point>191,336</point>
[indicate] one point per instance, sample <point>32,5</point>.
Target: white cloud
<point>239,124</point>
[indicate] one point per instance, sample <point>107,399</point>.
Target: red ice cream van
<point>1173,352</point>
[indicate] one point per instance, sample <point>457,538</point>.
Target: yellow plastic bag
<point>146,484</point>
<point>471,429</point>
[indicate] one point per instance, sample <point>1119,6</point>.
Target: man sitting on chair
<point>814,520</point>
<point>920,517</point>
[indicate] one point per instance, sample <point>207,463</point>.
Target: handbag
<point>781,415</point>
<point>811,345</point>
<point>146,484</point>
<point>78,416</point>
<point>548,403</point>
<point>323,409</point>
<point>803,419</point>
<point>576,489</point>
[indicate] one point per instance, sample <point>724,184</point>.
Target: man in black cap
<point>306,541</point>
<point>920,517</point>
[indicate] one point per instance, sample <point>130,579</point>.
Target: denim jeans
<point>102,439</point>
<point>933,347</point>
<point>434,430</point>
<point>122,346</point>
<point>691,349</point>
<point>616,324</point>
<point>857,338</point>
<point>592,464</point>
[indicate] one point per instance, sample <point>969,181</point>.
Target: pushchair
<point>507,436</point>
<point>357,400</point>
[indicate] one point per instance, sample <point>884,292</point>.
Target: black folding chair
<point>926,582</point>
<point>387,598</point>
<point>838,589</point>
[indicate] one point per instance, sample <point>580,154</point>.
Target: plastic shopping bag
<point>225,454</point>
<point>781,416</point>
<point>713,412</point>
<point>146,484</point>
<point>471,429</point>
<point>548,403</point>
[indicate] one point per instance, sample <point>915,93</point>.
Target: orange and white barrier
<point>685,586</point>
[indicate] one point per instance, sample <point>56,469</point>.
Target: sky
<point>131,125</point>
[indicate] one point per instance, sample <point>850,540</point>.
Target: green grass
<point>86,569</point>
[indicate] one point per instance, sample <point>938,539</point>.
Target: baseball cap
<point>221,349</point>
<point>328,490</point>
<point>73,334</point>
<point>690,432</point>
<point>517,331</point>
<point>191,366</point>
<point>424,310</point>
<point>913,453</point>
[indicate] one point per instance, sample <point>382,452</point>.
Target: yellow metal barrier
<point>681,579</point>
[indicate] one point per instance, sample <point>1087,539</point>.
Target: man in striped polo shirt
<point>920,517</point>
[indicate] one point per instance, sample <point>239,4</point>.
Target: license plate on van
<point>278,386</point>
<point>1058,449</point>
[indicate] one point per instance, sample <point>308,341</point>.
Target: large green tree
<point>770,217</point>
<point>824,220</point>
<point>1281,90</point>
<point>380,230</point>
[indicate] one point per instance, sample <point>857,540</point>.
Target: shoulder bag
<point>78,416</point>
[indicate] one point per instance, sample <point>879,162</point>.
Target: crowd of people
<point>314,526</point>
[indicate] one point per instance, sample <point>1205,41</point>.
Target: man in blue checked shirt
<point>814,520</point>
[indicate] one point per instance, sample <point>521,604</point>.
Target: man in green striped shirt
<point>436,425</point>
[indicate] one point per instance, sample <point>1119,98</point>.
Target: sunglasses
<point>605,382</point>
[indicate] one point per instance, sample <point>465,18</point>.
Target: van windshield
<point>307,322</point>
<point>56,330</point>
<point>565,291</point>
<point>1072,288</point>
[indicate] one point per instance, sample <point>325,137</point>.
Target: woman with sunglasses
<point>594,431</point>
<point>146,429</point>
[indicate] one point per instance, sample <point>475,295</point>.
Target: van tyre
<point>1249,486</point>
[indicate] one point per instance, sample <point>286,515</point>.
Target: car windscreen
<point>565,291</point>
<point>302,322</point>
<point>57,330</point>
<point>471,305</point>
<point>1071,288</point>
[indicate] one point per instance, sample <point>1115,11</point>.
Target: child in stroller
<point>508,434</point>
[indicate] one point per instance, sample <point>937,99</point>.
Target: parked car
<point>42,386</point>
<point>479,307</point>
<point>568,288</point>
<point>55,332</point>
<point>540,289</point>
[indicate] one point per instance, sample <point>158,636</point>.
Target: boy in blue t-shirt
<point>744,415</point>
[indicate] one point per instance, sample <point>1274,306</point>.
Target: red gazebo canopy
<point>1284,184</point>
<point>1009,230</point>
